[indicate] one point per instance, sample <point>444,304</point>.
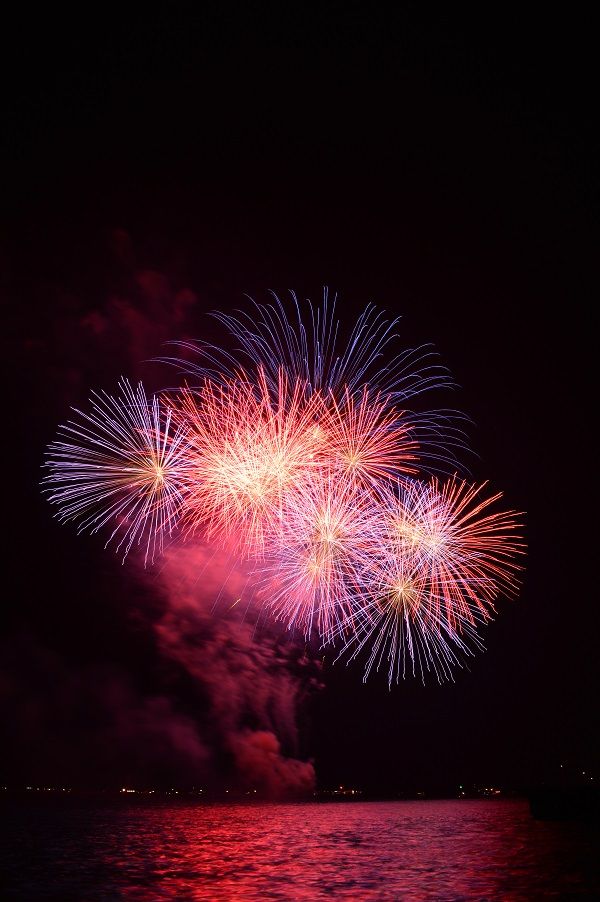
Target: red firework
<point>436,565</point>
<point>249,446</point>
<point>368,441</point>
<point>467,551</point>
<point>315,551</point>
<point>309,467</point>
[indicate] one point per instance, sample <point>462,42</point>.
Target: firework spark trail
<point>122,463</point>
<point>469,558</point>
<point>314,353</point>
<point>431,577</point>
<point>315,550</point>
<point>366,439</point>
<point>302,457</point>
<point>401,625</point>
<point>248,448</point>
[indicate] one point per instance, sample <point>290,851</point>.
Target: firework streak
<point>303,454</point>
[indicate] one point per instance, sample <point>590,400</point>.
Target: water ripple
<point>442,851</point>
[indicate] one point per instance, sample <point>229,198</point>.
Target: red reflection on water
<point>450,850</point>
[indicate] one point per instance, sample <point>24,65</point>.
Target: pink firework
<point>314,349</point>
<point>248,449</point>
<point>123,464</point>
<point>437,566</point>
<point>467,551</point>
<point>315,552</point>
<point>401,629</point>
<point>302,457</point>
<point>367,440</point>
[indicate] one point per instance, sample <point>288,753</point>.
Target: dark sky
<point>156,169</point>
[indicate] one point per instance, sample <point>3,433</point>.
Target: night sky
<point>157,169</point>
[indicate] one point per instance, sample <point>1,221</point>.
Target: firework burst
<point>122,464</point>
<point>437,565</point>
<point>367,441</point>
<point>300,452</point>
<point>467,551</point>
<point>312,350</point>
<point>315,551</point>
<point>249,446</point>
<point>400,627</point>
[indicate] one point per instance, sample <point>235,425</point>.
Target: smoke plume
<point>251,683</point>
<point>196,693</point>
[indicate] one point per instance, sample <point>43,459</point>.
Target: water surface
<point>427,850</point>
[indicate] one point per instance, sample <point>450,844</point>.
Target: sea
<point>423,850</point>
